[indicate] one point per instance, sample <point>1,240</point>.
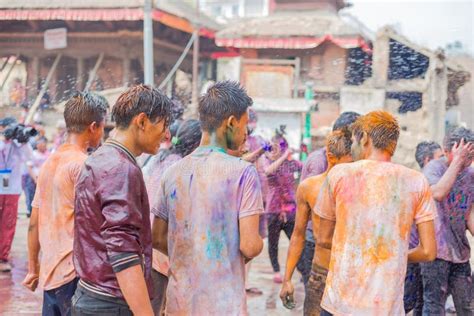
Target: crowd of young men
<point>91,215</point>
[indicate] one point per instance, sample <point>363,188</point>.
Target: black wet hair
<point>187,138</point>
<point>221,101</point>
<point>142,99</point>
<point>455,136</point>
<point>425,150</point>
<point>174,127</point>
<point>345,120</point>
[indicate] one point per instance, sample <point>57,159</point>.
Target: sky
<point>431,23</point>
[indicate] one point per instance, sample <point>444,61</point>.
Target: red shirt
<point>112,220</point>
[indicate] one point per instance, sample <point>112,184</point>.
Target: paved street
<point>16,300</point>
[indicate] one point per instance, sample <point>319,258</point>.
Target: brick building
<point>113,28</point>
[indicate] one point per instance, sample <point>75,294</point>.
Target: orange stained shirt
<point>374,205</point>
<point>54,199</point>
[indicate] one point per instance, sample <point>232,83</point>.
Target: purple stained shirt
<point>316,164</point>
<point>202,197</point>
<point>453,212</point>
<point>253,143</point>
<point>280,196</point>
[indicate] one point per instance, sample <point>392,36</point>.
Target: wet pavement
<point>17,300</point>
<point>14,298</point>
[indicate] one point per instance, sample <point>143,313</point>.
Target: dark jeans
<point>325,313</point>
<point>57,302</point>
<point>442,277</point>
<point>306,260</point>
<point>314,291</point>
<point>87,303</point>
<point>275,226</point>
<point>160,283</point>
<point>413,297</point>
<point>29,187</point>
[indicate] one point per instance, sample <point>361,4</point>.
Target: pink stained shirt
<point>54,199</point>
<point>374,205</point>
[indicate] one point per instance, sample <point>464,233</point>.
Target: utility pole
<point>195,83</point>
<point>148,43</point>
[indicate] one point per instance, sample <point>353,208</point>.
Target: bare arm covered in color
<point>160,235</point>
<point>426,250</point>
<point>31,279</point>
<point>134,289</point>
<point>297,241</point>
<point>251,243</point>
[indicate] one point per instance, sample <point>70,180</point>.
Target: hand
<point>31,281</point>
<point>286,295</point>
<point>463,153</point>
<point>266,146</point>
<point>288,153</point>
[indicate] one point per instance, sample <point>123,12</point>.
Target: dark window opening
<point>359,67</point>
<point>410,101</point>
<point>406,63</point>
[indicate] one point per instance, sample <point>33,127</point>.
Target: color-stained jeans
<point>8,215</point>
<point>441,277</point>
<point>275,226</point>
<point>306,260</point>
<point>413,297</point>
<point>87,303</point>
<point>57,302</point>
<point>314,291</point>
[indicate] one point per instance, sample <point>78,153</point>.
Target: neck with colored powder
<point>214,139</point>
<point>80,140</point>
<point>379,155</point>
<point>127,138</point>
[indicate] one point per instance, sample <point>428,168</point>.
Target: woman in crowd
<point>280,206</point>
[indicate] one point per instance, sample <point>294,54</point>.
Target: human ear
<point>231,122</point>
<point>141,120</point>
<point>93,127</point>
<point>364,141</point>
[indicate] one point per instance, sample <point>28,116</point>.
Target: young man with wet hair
<point>51,227</point>
<point>338,150</point>
<point>207,213</point>
<point>112,233</point>
<point>366,210</point>
<point>452,183</point>
<point>413,294</point>
<point>427,151</point>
